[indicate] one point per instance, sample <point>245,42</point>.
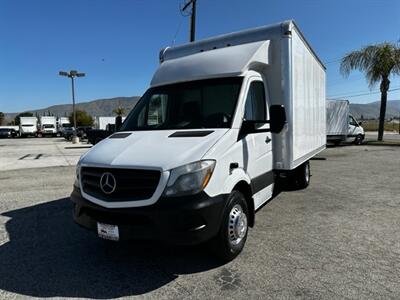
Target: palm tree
<point>119,111</point>
<point>378,62</point>
<point>1,117</point>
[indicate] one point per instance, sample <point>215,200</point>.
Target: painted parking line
<point>23,157</point>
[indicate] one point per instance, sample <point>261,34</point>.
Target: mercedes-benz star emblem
<point>108,183</point>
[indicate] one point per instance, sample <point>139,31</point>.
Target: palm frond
<point>376,61</point>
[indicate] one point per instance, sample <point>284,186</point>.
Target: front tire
<point>232,235</point>
<point>358,140</point>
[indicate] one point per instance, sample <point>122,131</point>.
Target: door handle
<point>268,139</point>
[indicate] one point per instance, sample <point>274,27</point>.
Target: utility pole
<point>192,18</point>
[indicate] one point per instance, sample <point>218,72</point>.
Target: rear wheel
<point>234,227</point>
<point>300,177</point>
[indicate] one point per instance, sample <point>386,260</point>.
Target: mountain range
<point>371,110</point>
<point>104,107</point>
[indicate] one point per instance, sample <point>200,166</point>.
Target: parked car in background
<point>81,132</point>
<point>8,133</point>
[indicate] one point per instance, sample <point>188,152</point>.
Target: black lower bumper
<point>180,220</point>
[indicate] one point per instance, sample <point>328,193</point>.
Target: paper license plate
<point>107,231</point>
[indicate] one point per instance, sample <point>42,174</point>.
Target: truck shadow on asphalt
<point>47,255</point>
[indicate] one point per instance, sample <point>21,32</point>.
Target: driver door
<point>257,147</point>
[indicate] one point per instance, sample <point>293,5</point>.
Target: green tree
<point>82,118</point>
<point>378,62</point>
<point>24,114</point>
<point>1,118</point>
<point>119,111</point>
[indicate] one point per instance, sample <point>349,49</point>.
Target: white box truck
<point>201,151</point>
<point>63,125</point>
<point>102,123</point>
<point>48,126</point>
<point>28,126</point>
<point>340,124</point>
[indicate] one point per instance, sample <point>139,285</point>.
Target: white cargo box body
<point>49,120</point>
<point>102,122</point>
<point>337,117</point>
<point>294,77</point>
<point>28,125</point>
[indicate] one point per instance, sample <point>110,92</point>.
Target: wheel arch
<point>245,188</point>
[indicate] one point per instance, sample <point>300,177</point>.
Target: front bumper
<point>179,220</point>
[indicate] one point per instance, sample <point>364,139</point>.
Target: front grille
<point>131,184</point>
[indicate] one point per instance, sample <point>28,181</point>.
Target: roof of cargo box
<point>224,62</point>
<point>231,52</point>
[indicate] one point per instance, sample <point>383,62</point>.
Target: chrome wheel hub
<point>237,225</point>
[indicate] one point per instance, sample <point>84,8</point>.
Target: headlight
<point>77,171</point>
<point>189,179</point>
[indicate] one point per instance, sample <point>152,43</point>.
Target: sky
<point>116,42</point>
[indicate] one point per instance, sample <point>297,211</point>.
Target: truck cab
<point>202,150</point>
<point>356,132</point>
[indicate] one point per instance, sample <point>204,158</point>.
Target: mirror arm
<point>263,130</point>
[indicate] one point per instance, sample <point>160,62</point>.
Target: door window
<point>255,108</point>
<point>352,121</point>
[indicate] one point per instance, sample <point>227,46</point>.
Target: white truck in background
<point>103,123</point>
<point>340,124</point>
<point>202,150</point>
<point>63,125</point>
<point>28,126</point>
<point>48,126</point>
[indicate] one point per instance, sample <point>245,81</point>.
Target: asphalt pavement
<point>337,239</point>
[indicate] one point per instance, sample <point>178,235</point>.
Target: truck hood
<point>152,149</point>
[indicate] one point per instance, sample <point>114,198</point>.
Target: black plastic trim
<point>191,133</point>
<point>262,181</point>
<point>121,135</point>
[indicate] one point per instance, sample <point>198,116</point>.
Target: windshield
<point>27,125</point>
<point>190,105</point>
<point>48,126</point>
<point>66,125</point>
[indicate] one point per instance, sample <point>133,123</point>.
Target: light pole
<point>72,74</point>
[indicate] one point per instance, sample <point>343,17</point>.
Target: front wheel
<point>358,140</point>
<point>234,227</point>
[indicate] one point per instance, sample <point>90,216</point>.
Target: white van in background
<point>201,151</point>
<point>28,126</point>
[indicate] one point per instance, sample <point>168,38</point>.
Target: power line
<point>363,94</point>
<point>375,91</point>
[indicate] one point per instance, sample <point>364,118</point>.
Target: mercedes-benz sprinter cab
<point>201,150</point>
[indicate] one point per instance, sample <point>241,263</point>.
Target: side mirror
<point>277,118</point>
<point>360,123</point>
<point>251,126</point>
